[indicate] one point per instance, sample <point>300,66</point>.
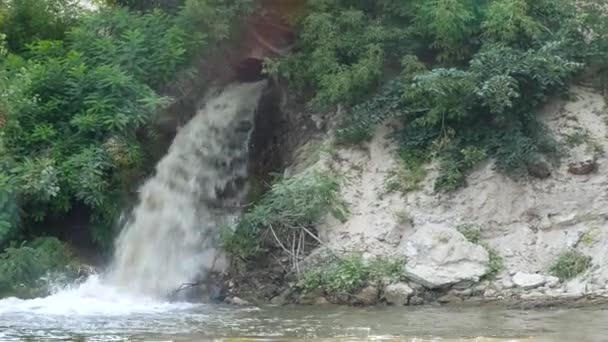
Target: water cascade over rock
<point>171,238</point>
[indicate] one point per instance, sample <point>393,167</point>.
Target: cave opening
<point>250,70</point>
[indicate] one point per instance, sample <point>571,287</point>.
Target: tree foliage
<point>24,21</point>
<point>77,103</point>
<point>23,266</point>
<point>473,73</point>
<point>290,207</point>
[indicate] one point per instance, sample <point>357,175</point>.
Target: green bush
<point>342,47</point>
<point>338,275</point>
<point>570,264</point>
<point>24,21</point>
<point>76,114</point>
<point>290,204</point>
<point>22,267</point>
<point>496,263</point>
<point>471,81</point>
<point>472,232</point>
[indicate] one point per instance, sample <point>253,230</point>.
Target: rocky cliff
<point>499,237</point>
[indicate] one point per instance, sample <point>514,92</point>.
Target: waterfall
<point>172,236</point>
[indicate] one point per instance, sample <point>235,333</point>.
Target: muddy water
<point>31,321</point>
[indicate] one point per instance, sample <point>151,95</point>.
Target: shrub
<point>76,114</point>
<point>342,47</point>
<point>339,275</point>
<point>22,267</point>
<point>570,264</point>
<point>24,21</point>
<point>496,263</point>
<point>472,95</point>
<point>472,232</point>
<point>292,205</point>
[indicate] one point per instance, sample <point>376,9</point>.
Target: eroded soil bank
<point>500,239</point>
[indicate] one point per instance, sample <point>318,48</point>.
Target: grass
<point>570,264</point>
<point>577,138</point>
<point>582,136</point>
<point>590,236</point>
<point>405,177</point>
<point>471,232</point>
<point>337,275</point>
<point>404,218</point>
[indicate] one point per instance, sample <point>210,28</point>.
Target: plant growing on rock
<point>472,232</point>
<point>570,264</point>
<point>286,214</point>
<point>343,275</point>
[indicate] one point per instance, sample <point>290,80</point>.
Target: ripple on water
<point>71,315</point>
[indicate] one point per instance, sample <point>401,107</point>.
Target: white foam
<point>172,237</point>
<point>90,298</point>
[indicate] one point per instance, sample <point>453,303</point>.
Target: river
<point>60,319</point>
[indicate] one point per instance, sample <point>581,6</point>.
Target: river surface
<point>59,319</point>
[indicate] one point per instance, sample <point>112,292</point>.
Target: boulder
<point>367,296</point>
<point>321,301</point>
<point>311,298</point>
<point>416,300</point>
<point>529,280</point>
<point>552,282</point>
<point>449,298</point>
<point>237,301</point>
<point>398,294</point>
<point>539,167</point>
<point>584,167</point>
<point>439,256</point>
<point>507,283</point>
<point>582,162</point>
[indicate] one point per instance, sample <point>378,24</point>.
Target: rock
<point>552,282</point>
<point>398,294</point>
<point>490,293</point>
<point>450,298</point>
<point>507,283</point>
<point>465,293</point>
<point>318,120</point>
<point>584,167</point>
<point>237,301</point>
<point>416,300</point>
<point>367,296</point>
<point>394,236</point>
<point>529,280</point>
<point>282,298</point>
<point>576,287</point>
<point>85,271</point>
<point>310,298</point>
<point>539,167</point>
<point>321,301</point>
<point>534,295</point>
<point>438,256</point>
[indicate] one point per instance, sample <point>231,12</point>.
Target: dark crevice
<point>250,70</point>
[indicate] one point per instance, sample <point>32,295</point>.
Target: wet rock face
<point>439,256</point>
<point>367,296</point>
<point>398,294</point>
